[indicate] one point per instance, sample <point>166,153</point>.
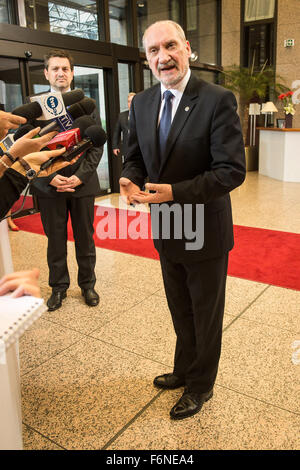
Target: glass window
<point>149,79</point>
<point>75,18</point>
<point>10,84</point>
<point>201,30</point>
<point>125,84</point>
<point>149,11</point>
<point>119,21</point>
<point>259,9</point>
<point>4,13</point>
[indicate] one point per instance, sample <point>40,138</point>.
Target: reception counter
<point>279,153</point>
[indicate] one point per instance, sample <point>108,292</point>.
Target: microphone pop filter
<point>71,97</point>
<point>29,110</point>
<point>22,131</point>
<point>96,134</point>
<point>83,123</point>
<point>85,106</point>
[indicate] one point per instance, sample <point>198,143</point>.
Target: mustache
<point>170,63</point>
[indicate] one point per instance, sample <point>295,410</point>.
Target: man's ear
<point>46,74</point>
<point>188,48</point>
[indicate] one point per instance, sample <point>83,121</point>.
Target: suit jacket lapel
<point>152,111</point>
<point>186,105</point>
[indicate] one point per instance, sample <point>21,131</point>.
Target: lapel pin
<point>187,108</point>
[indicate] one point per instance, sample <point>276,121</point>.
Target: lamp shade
<point>269,107</point>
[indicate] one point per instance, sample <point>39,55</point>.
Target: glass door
<point>90,80</point>
<point>10,84</point>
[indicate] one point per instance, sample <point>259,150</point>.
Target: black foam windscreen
<point>85,106</point>
<point>71,97</point>
<point>96,134</point>
<point>29,110</point>
<point>83,123</point>
<point>22,130</point>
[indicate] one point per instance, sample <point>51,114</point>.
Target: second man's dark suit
<point>55,209</point>
<point>204,160</point>
<point>120,135</point>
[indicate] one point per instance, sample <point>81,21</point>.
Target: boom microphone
<point>34,110</point>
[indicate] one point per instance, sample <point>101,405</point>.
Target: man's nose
<point>163,56</point>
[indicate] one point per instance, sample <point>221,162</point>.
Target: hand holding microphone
<point>9,121</point>
<point>28,144</point>
<point>36,159</point>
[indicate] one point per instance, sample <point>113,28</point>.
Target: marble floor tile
<point>266,203</point>
<point>228,421</point>
<point>82,397</point>
<point>145,329</point>
<point>277,307</point>
<point>240,293</point>
<point>32,440</point>
<point>256,360</point>
<point>42,341</point>
<point>75,314</point>
<point>134,272</point>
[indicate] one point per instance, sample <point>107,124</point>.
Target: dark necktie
<point>165,121</point>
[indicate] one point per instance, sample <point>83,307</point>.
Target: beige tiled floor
<point>87,373</point>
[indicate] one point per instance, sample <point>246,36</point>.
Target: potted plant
<point>252,85</point>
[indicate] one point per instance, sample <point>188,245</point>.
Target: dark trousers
<point>196,297</point>
<point>54,214</point>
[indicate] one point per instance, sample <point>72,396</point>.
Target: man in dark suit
<point>69,191</point>
<point>189,143</point>
<point>120,135</point>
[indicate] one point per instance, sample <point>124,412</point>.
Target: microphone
<point>69,139</point>
<point>82,107</point>
<point>94,136</point>
<point>85,106</point>
<point>34,110</point>
<point>22,130</point>
<point>65,139</point>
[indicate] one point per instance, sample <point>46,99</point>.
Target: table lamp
<point>268,108</point>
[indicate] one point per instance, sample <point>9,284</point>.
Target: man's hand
<point>57,164</point>
<point>27,144</point>
<point>64,184</point>
<point>21,283</point>
<point>36,159</point>
<point>163,193</point>
<point>116,152</point>
<point>127,189</point>
<point>9,121</point>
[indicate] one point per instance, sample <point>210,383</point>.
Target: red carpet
<point>261,255</point>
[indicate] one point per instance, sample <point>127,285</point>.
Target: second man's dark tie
<point>165,122</point>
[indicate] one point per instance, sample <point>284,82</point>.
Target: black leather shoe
<point>189,404</point>
<point>168,381</point>
<point>91,297</point>
<point>55,300</point>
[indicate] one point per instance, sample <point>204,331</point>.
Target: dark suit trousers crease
<point>196,296</point>
<point>54,214</point>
